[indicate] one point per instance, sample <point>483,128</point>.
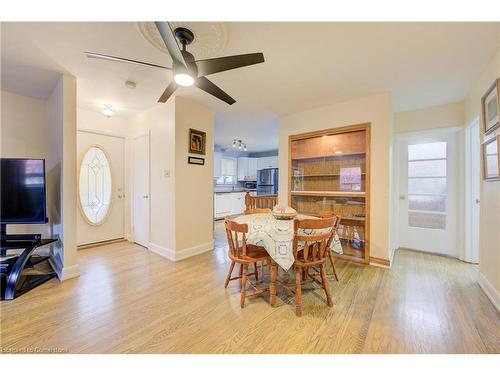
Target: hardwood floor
<point>129,300</point>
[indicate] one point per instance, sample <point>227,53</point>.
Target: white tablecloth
<point>276,236</point>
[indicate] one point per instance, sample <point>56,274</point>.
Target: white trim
<point>101,132</point>
<point>69,272</point>
<point>489,290</point>
<point>195,250</point>
<point>162,251</point>
<point>176,256</point>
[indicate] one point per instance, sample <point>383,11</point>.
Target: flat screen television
<point>22,191</point>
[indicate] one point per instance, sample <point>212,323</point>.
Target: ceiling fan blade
<point>170,42</point>
<point>94,55</point>
<point>210,87</point>
<point>168,92</point>
<point>220,64</point>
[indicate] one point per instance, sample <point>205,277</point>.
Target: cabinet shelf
<point>346,194</point>
<point>329,157</point>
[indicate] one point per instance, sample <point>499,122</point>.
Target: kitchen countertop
<point>238,190</point>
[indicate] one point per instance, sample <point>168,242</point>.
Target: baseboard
<point>69,272</point>
<point>379,262</point>
<point>176,256</point>
<point>162,251</point>
<point>489,290</point>
<point>195,250</point>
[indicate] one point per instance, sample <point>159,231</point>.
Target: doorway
<point>101,195</point>
<point>429,191</point>
<point>140,200</point>
<point>472,174</point>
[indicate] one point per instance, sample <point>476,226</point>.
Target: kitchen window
<point>228,172</point>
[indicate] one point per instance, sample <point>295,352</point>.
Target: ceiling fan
<point>186,70</point>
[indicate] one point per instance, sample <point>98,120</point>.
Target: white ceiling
<point>307,65</point>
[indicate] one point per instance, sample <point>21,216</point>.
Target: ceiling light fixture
<point>130,84</point>
<point>183,79</point>
<point>239,143</point>
<point>108,110</point>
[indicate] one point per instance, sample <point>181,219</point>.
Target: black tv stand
<point>15,276</point>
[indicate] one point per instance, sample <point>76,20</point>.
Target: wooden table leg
<point>272,285</point>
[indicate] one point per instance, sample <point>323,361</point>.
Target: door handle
<point>145,196</point>
<point>402,197</point>
<point>477,200</point>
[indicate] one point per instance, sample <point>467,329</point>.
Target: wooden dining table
<point>276,237</point>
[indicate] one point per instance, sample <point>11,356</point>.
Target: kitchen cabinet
<point>238,203</point>
<point>223,204</point>
<point>247,169</point>
<point>229,204</point>
<point>267,162</point>
<point>252,168</point>
<point>243,168</point>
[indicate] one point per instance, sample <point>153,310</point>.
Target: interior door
<point>428,190</point>
<point>100,187</point>
<point>472,192</point>
<point>141,190</point>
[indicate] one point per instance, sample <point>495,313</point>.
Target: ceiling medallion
<point>210,38</point>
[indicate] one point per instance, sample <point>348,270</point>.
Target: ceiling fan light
<point>183,79</point>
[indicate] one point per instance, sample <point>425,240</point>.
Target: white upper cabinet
<point>267,162</point>
<point>252,168</point>
<point>242,168</point>
<point>247,168</point>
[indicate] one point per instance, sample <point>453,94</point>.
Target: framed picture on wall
<point>491,159</point>
<point>490,105</point>
<point>197,140</point>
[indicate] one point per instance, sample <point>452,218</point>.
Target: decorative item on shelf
<point>238,143</point>
<point>490,107</point>
<point>197,161</point>
<point>197,141</point>
<point>491,158</point>
<point>284,213</point>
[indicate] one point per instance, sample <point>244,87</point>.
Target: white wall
<point>62,120</point>
<point>375,109</point>
<point>159,121</point>
<point>193,183</point>
<point>489,256</point>
<point>47,129</point>
<point>182,204</point>
<point>441,116</point>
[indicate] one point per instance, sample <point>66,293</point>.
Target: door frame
<point>132,186</point>
<point>397,178</point>
<point>78,159</point>
<point>468,253</point>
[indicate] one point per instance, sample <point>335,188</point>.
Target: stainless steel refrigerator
<point>267,181</point>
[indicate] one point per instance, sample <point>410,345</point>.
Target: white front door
<point>100,187</point>
<point>140,199</point>
<point>428,191</point>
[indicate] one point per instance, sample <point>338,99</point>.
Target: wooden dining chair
<point>243,254</point>
<point>260,201</point>
<point>325,215</point>
<point>252,211</point>
<point>311,253</point>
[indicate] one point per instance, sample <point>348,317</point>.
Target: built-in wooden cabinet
<point>329,171</point>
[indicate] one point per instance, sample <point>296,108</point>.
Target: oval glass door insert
<point>94,185</point>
